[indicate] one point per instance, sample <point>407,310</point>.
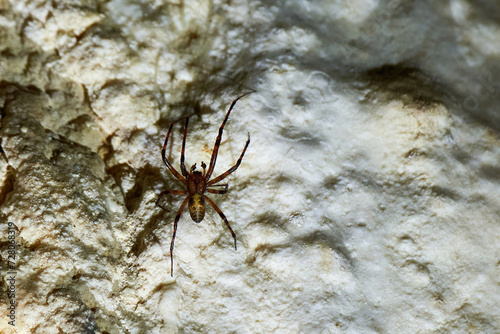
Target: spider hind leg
<point>216,208</point>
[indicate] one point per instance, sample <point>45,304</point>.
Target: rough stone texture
<point>367,202</point>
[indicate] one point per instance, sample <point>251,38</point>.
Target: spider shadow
<point>149,177</point>
<point>147,234</point>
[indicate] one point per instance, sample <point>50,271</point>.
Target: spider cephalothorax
<point>197,183</point>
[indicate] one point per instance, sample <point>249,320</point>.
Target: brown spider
<point>198,183</point>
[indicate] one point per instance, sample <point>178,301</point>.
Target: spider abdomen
<point>197,208</point>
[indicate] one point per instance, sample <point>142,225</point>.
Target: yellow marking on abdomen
<point>197,208</point>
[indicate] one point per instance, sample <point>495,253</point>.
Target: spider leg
<point>218,191</point>
<point>232,169</point>
<point>222,216</point>
<point>165,160</point>
<point>213,159</point>
<point>173,192</point>
<point>169,192</point>
<point>183,167</point>
<point>173,236</point>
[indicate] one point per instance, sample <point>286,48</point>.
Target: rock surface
<point>368,200</point>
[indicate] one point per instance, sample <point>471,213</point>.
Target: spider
<point>197,183</point>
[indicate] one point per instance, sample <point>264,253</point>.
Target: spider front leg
<point>165,160</point>
<point>216,208</point>
<point>183,167</point>
<point>215,151</point>
<point>232,169</point>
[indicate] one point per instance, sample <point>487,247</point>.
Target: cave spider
<point>197,183</point>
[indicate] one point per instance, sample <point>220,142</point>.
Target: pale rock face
<point>367,202</point>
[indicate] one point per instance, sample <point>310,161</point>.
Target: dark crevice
<point>271,220</point>
<point>490,172</point>
<point>330,239</point>
<point>8,184</point>
<point>445,192</point>
<point>9,91</point>
<point>407,84</point>
<point>79,314</point>
<point>300,136</point>
<point>106,150</point>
